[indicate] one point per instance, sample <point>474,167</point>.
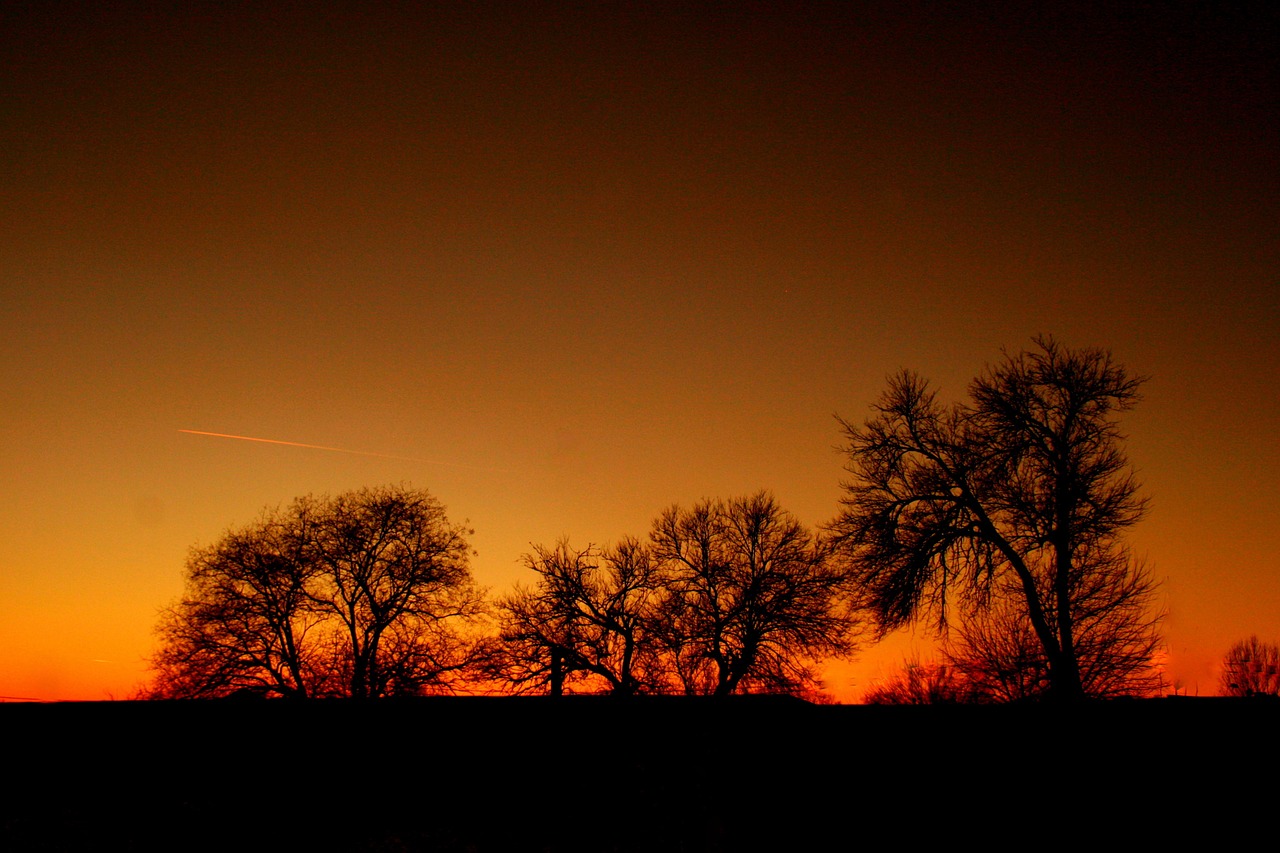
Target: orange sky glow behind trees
<point>565,268</point>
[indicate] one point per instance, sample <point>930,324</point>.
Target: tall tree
<point>364,594</point>
<point>753,600</point>
<point>1022,491</point>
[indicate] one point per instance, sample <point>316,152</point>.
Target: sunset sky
<point>564,268</point>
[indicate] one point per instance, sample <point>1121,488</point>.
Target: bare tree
<point>728,596</point>
<point>921,683</point>
<point>245,621</point>
<point>753,600</point>
<point>998,654</point>
<point>1251,668</point>
<point>1117,639</point>
<point>392,567</point>
<point>588,620</point>
<point>1020,494</point>
<point>365,594</point>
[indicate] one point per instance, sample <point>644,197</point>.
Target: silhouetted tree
<point>245,621</point>
<point>1251,668</point>
<point>393,572</point>
<point>587,620</point>
<point>753,600</point>
<point>1117,639</point>
<point>365,594</point>
<point>1023,491</point>
<point>920,683</point>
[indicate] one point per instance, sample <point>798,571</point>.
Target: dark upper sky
<point>590,261</point>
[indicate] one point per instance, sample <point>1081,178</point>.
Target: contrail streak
<point>333,449</point>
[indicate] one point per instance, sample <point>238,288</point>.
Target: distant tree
<point>587,621</point>
<point>1251,668</point>
<point>753,600</point>
<point>920,683</point>
<point>997,654</point>
<point>365,594</point>
<point>1019,495</point>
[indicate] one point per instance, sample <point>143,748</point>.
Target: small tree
<point>753,598</point>
<point>1251,668</point>
<point>919,683</point>
<point>365,594</point>
<point>1019,495</point>
<point>589,619</point>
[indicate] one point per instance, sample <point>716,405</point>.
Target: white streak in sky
<point>335,449</point>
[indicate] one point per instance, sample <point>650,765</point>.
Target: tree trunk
<point>557,673</point>
<point>1064,673</point>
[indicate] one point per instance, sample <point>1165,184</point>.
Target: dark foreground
<point>659,774</point>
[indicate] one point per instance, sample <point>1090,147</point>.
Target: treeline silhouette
<point>998,520</point>
<point>368,594</point>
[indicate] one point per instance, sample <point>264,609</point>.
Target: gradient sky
<point>577,265</point>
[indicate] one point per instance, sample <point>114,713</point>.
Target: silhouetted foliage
<point>729,596</point>
<point>1116,638</point>
<point>753,598</point>
<point>587,622</point>
<point>918,683</point>
<point>364,594</point>
<point>243,621</point>
<point>1015,498</point>
<point>1251,668</point>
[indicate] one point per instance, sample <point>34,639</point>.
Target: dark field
<point>655,774</point>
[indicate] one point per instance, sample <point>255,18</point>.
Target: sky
<point>566,265</point>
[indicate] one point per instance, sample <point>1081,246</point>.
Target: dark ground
<point>657,774</point>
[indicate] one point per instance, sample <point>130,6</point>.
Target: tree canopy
<point>1251,668</point>
<point>1018,497</point>
<point>364,594</point>
<point>754,598</point>
<point>589,620</point>
<point>727,596</point>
